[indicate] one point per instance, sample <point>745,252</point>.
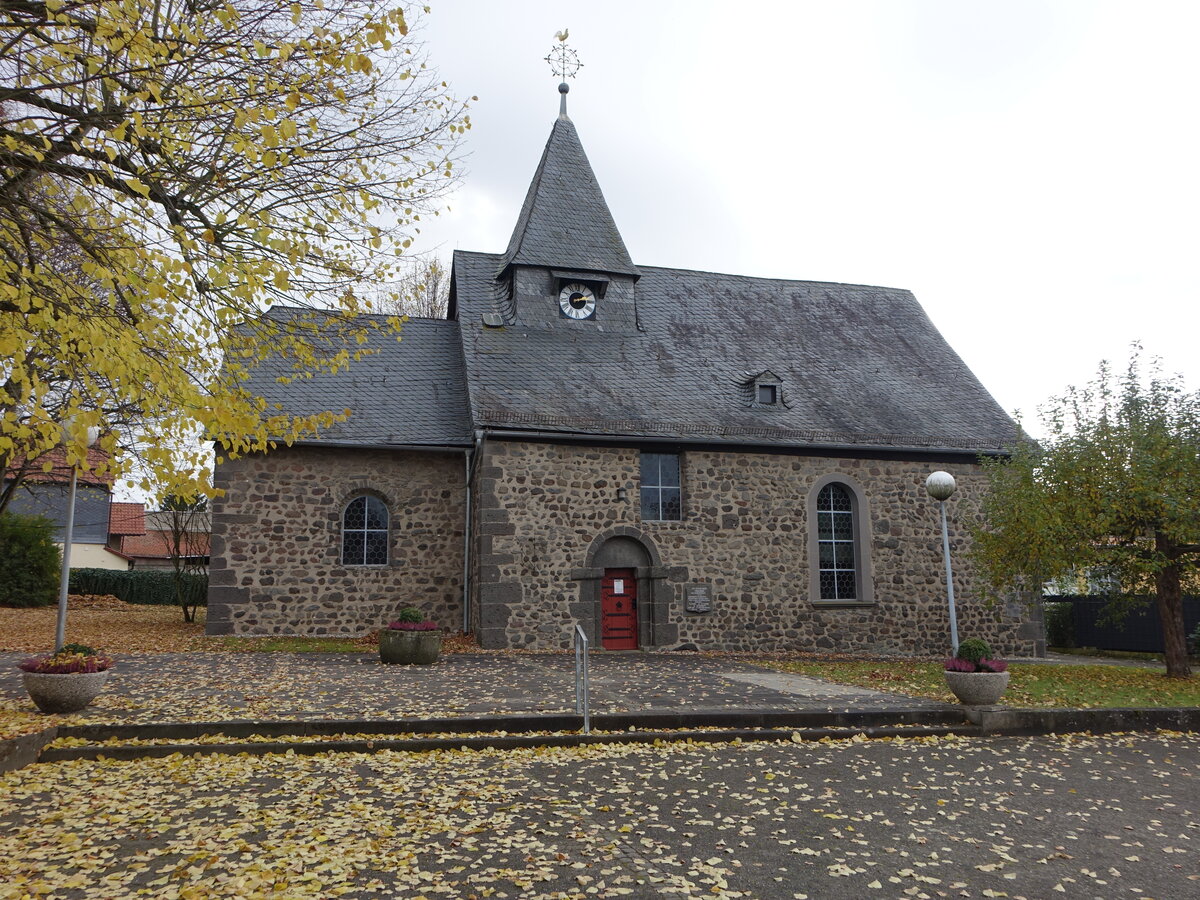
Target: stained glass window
<point>835,544</point>
<point>365,533</point>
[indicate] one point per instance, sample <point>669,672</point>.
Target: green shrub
<point>152,588</point>
<point>1060,631</point>
<point>81,649</point>
<point>410,614</point>
<point>974,649</point>
<point>29,561</point>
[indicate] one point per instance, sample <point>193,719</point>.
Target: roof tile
<point>126,518</point>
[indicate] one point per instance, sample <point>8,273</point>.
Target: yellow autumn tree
<point>171,169</point>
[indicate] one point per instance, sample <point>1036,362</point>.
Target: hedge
<point>140,585</point>
<point>1059,630</point>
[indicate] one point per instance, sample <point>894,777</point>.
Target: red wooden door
<point>618,610</point>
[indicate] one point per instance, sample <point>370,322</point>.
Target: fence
<point>1138,630</point>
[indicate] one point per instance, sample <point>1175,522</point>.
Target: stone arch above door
<point>607,548</point>
<point>621,553</point>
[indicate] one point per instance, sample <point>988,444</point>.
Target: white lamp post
<point>940,485</point>
<point>60,631</point>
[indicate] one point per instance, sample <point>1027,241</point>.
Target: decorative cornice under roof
<point>691,430</point>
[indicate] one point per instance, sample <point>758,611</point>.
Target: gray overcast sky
<point>1027,169</point>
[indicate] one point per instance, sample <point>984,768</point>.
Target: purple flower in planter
<point>66,664</point>
<point>954,664</point>
<point>427,625</point>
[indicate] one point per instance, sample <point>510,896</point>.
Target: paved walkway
<point>197,687</point>
<point>1074,659</point>
<point>1042,818</point>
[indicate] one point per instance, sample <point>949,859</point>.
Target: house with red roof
<point>44,489</point>
<point>163,535</point>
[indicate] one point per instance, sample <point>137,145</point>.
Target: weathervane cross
<point>564,61</point>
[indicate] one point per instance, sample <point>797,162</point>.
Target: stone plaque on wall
<point>697,598</point>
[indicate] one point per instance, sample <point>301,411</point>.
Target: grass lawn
<point>291,644</point>
<point>1068,686</point>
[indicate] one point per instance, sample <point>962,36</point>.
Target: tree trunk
<point>16,478</point>
<point>1170,611</point>
<point>189,611</point>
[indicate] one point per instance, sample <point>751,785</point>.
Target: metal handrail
<point>582,703</point>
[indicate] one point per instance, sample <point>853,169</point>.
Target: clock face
<point>577,301</point>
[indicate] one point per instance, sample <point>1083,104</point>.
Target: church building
<point>669,458</point>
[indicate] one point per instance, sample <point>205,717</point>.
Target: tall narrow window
<point>661,497</point>
<point>835,544</point>
<point>365,533</point>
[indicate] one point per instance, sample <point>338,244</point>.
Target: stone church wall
<point>743,533</point>
<point>276,566</point>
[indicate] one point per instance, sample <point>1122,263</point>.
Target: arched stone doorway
<point>624,601</point>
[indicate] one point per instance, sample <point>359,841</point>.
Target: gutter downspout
<point>471,460</point>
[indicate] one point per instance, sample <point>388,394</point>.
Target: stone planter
<point>409,648</point>
<point>64,693</point>
<point>977,688</point>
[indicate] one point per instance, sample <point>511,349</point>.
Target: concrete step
<point>368,742</point>
<point>689,719</point>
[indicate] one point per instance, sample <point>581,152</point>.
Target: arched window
<point>365,532</point>
<point>839,543</point>
<point>835,544</point>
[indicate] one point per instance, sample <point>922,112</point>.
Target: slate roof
<point>411,391</point>
<point>854,365</point>
<point>565,222</point>
<point>858,365</point>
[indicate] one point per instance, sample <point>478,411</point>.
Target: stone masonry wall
<point>276,565</point>
<point>744,532</point>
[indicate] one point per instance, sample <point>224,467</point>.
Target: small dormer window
<point>760,389</point>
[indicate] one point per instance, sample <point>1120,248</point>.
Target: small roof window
<point>761,388</point>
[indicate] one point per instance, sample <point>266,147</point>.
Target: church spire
<point>565,222</point>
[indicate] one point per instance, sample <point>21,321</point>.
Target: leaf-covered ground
<point>168,671</point>
<point>1030,685</point>
<point>109,624</point>
<point>208,687</point>
<point>103,622</point>
<point>1026,819</point>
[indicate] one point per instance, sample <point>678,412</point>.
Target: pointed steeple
<point>565,222</point>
